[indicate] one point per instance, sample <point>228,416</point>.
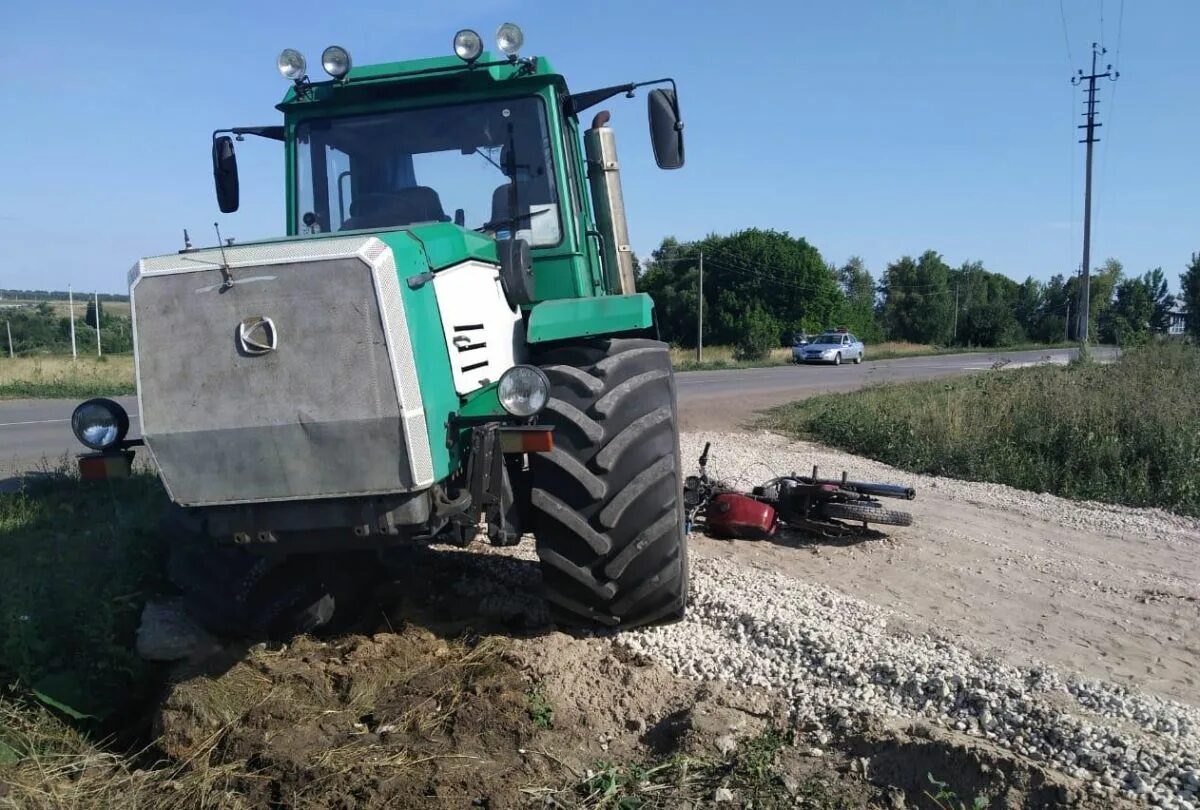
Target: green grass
<point>58,377</point>
<point>79,558</point>
<point>750,771</point>
<point>541,712</point>
<point>1125,433</point>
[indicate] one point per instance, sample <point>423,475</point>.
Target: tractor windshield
<point>485,165</point>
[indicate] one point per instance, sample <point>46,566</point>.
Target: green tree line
<point>38,330</point>
<point>761,287</point>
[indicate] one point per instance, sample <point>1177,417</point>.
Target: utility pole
<point>700,314</point>
<point>1090,140</point>
<point>71,306</point>
<point>954,331</point>
<point>96,304</point>
<point>8,326</point>
<point>1067,327</point>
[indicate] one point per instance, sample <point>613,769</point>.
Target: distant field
<point>55,377</point>
<point>62,308</point>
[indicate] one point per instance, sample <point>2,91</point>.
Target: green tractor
<point>448,341</point>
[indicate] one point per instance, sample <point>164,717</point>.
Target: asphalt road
<point>36,434</point>
<point>721,400</point>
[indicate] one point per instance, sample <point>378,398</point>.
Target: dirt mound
<point>361,722</point>
<point>913,759</point>
<point>401,719</point>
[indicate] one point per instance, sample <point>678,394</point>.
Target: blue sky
<point>878,128</point>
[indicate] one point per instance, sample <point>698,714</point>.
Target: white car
<point>831,347</point>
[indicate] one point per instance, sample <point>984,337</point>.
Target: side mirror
<point>666,130</point>
<point>225,174</point>
<point>516,271</point>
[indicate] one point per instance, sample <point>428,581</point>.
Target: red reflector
<point>101,466</point>
<point>526,441</point>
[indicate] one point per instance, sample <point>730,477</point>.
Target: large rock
<point>167,633</point>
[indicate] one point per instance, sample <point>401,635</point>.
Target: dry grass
<point>899,348</point>
<point>724,357</point>
<point>44,763</point>
<point>61,377</point>
<point>415,689</point>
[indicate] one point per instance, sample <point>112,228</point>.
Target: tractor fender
<point>566,318</point>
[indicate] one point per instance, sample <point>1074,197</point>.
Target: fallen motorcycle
<point>829,507</point>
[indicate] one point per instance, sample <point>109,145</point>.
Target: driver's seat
<point>404,206</point>
<point>501,210</point>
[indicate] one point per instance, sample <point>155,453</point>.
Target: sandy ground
<point>1109,593</point>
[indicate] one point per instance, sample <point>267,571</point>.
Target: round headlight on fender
<point>99,423</point>
<point>523,390</point>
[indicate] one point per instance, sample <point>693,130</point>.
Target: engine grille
<point>332,409</point>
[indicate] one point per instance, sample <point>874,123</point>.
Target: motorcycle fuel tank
<point>731,514</point>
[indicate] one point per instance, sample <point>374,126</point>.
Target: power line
<point>1120,24</point>
<point>1066,37</point>
<point>1112,114</point>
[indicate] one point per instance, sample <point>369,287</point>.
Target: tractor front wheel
<point>607,501</point>
<point>234,593</point>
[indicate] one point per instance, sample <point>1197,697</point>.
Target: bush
<point>758,334</point>
<point>1125,433</point>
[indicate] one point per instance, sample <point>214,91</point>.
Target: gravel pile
<point>837,663</point>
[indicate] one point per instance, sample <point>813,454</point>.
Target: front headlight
<point>99,423</point>
<point>523,390</point>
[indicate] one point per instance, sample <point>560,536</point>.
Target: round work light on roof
<point>336,61</point>
<point>510,38</point>
<point>467,45</point>
<point>291,64</point>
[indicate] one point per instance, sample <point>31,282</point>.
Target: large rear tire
<point>607,502</point>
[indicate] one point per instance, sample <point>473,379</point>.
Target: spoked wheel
<point>608,501</point>
<point>866,514</point>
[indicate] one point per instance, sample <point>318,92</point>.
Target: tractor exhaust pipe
<point>604,177</point>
